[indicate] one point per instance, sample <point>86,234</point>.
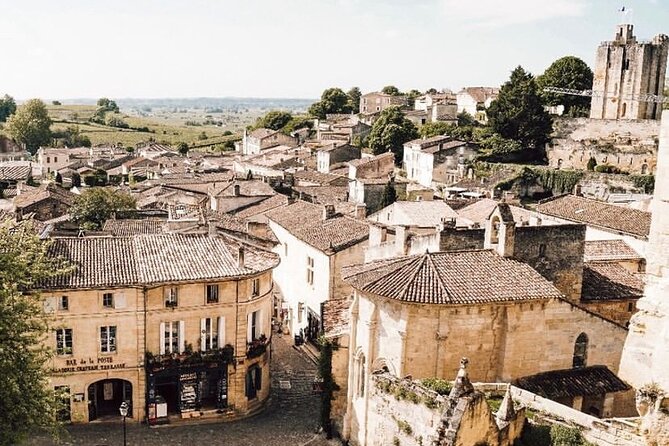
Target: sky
<point>294,48</point>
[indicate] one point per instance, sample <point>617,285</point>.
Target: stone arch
<point>359,373</point>
<point>624,110</point>
<point>382,364</point>
<point>580,358</point>
<point>105,396</point>
<point>494,229</point>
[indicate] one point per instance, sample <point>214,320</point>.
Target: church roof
<point>459,277</point>
<point>598,250</point>
<point>610,281</point>
<point>569,383</point>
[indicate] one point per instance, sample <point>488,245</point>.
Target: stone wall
<point>555,252</point>
<point>628,145</point>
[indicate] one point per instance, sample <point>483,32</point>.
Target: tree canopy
<point>354,95</point>
<point>108,105</point>
<point>391,90</point>
<point>567,72</point>
<point>30,125</point>
<point>7,107</point>
<point>390,132</point>
<point>94,206</point>
<point>333,100</point>
<point>71,137</point>
<point>518,113</point>
<point>275,120</point>
<point>27,401</point>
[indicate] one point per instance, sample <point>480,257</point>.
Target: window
<point>55,159</point>
<point>212,333</point>
<point>212,294</point>
<point>630,306</point>
<point>310,270</point>
<point>254,322</point>
<point>255,287</point>
<point>172,337</point>
<point>542,250</point>
<point>64,341</point>
<point>253,381</point>
<point>108,300</point>
<point>360,375</point>
<point>108,339</point>
<point>580,351</point>
<point>171,297</point>
<point>63,303</point>
<point>48,159</point>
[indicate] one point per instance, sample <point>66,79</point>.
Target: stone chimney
<point>328,211</point>
<point>240,256</point>
<point>211,229</point>
<point>360,211</point>
<point>401,236</point>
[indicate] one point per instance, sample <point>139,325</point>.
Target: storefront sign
<point>90,364</point>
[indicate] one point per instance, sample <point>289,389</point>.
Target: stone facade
<point>376,102</point>
<point>629,145</point>
<point>626,69</point>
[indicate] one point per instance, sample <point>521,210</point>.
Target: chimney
<point>211,227</point>
<point>328,211</point>
<point>235,190</point>
<point>240,257</point>
<point>360,211</point>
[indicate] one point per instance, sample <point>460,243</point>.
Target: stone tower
<point>626,68</point>
<point>645,357</point>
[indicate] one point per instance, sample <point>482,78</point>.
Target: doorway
<point>105,398</point>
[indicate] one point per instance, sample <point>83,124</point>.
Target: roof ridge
<point>422,260</point>
<point>403,260</point>
<point>449,296</point>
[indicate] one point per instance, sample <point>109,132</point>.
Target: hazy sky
<point>57,49</point>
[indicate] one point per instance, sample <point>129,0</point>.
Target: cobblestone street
<point>291,417</point>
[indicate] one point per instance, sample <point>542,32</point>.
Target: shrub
<point>441,386</point>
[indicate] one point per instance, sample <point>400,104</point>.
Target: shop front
<point>106,396</point>
<point>182,385</point>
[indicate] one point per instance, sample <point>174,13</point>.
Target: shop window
<point>580,351</point>
<point>108,339</point>
<point>171,297</point>
<point>63,303</point>
<point>64,341</point>
<point>108,300</point>
<point>255,287</point>
<point>310,270</point>
<point>253,381</point>
<point>212,294</point>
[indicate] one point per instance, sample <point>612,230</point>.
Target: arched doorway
<point>105,398</point>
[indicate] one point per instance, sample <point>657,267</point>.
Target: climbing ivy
<point>329,386</point>
<point>644,182</point>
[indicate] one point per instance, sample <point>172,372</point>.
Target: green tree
<point>412,96</point>
<point>108,105</point>
<point>518,113</point>
<point>333,100</point>
<point>275,120</point>
<point>114,120</point>
<point>94,206</point>
<point>7,107</point>
<point>354,95</point>
<point>30,125</point>
<point>567,72</point>
<point>71,137</point>
<point>56,103</point>
<point>592,163</point>
<point>389,194</point>
<point>466,120</point>
<point>182,148</point>
<point>328,384</point>
<point>391,90</point>
<point>436,128</point>
<point>390,132</point>
<point>27,400</point>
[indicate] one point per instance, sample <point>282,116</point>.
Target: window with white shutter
<point>221,332</point>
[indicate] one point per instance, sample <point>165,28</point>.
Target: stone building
<point>179,319</point>
<point>43,203</point>
<point>439,159</point>
<point>260,139</point>
<point>625,70</point>
<point>368,178</point>
<point>475,101</point>
<point>377,102</point>
<point>646,355</point>
<point>314,244</point>
<point>334,153</point>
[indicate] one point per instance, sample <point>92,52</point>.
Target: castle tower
<point>645,358</point>
<point>626,68</point>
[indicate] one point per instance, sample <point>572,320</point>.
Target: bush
<point>441,386</point>
<point>592,163</point>
<point>606,168</point>
<point>567,436</point>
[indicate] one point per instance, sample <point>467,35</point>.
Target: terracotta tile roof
<point>596,250</point>
<point>415,213</point>
<point>481,94</point>
<point>596,213</point>
<point>129,227</point>
<point>336,316</point>
<point>423,143</point>
<point>262,133</point>
<point>569,383</point>
<point>149,259</point>
<point>247,188</point>
<point>314,176</point>
<point>264,206</point>
<point>459,277</point>
<point>44,192</point>
<point>15,170</point>
<point>445,146</point>
<point>370,159</point>
<point>479,211</point>
<point>323,194</point>
<point>305,221</point>
<point>610,281</point>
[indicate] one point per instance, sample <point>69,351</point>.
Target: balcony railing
<point>189,359</point>
<point>257,347</point>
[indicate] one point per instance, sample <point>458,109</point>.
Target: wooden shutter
<point>249,331</point>
<point>119,300</point>
<point>221,331</point>
<point>203,334</point>
<point>162,338</point>
<point>182,336</point>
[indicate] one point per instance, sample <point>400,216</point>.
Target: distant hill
<point>229,103</point>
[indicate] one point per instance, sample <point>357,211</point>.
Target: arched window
<point>580,351</point>
<point>644,169</point>
<point>622,114</point>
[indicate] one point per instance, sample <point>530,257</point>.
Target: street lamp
<point>124,413</point>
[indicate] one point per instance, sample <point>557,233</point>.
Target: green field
<point>164,126</point>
